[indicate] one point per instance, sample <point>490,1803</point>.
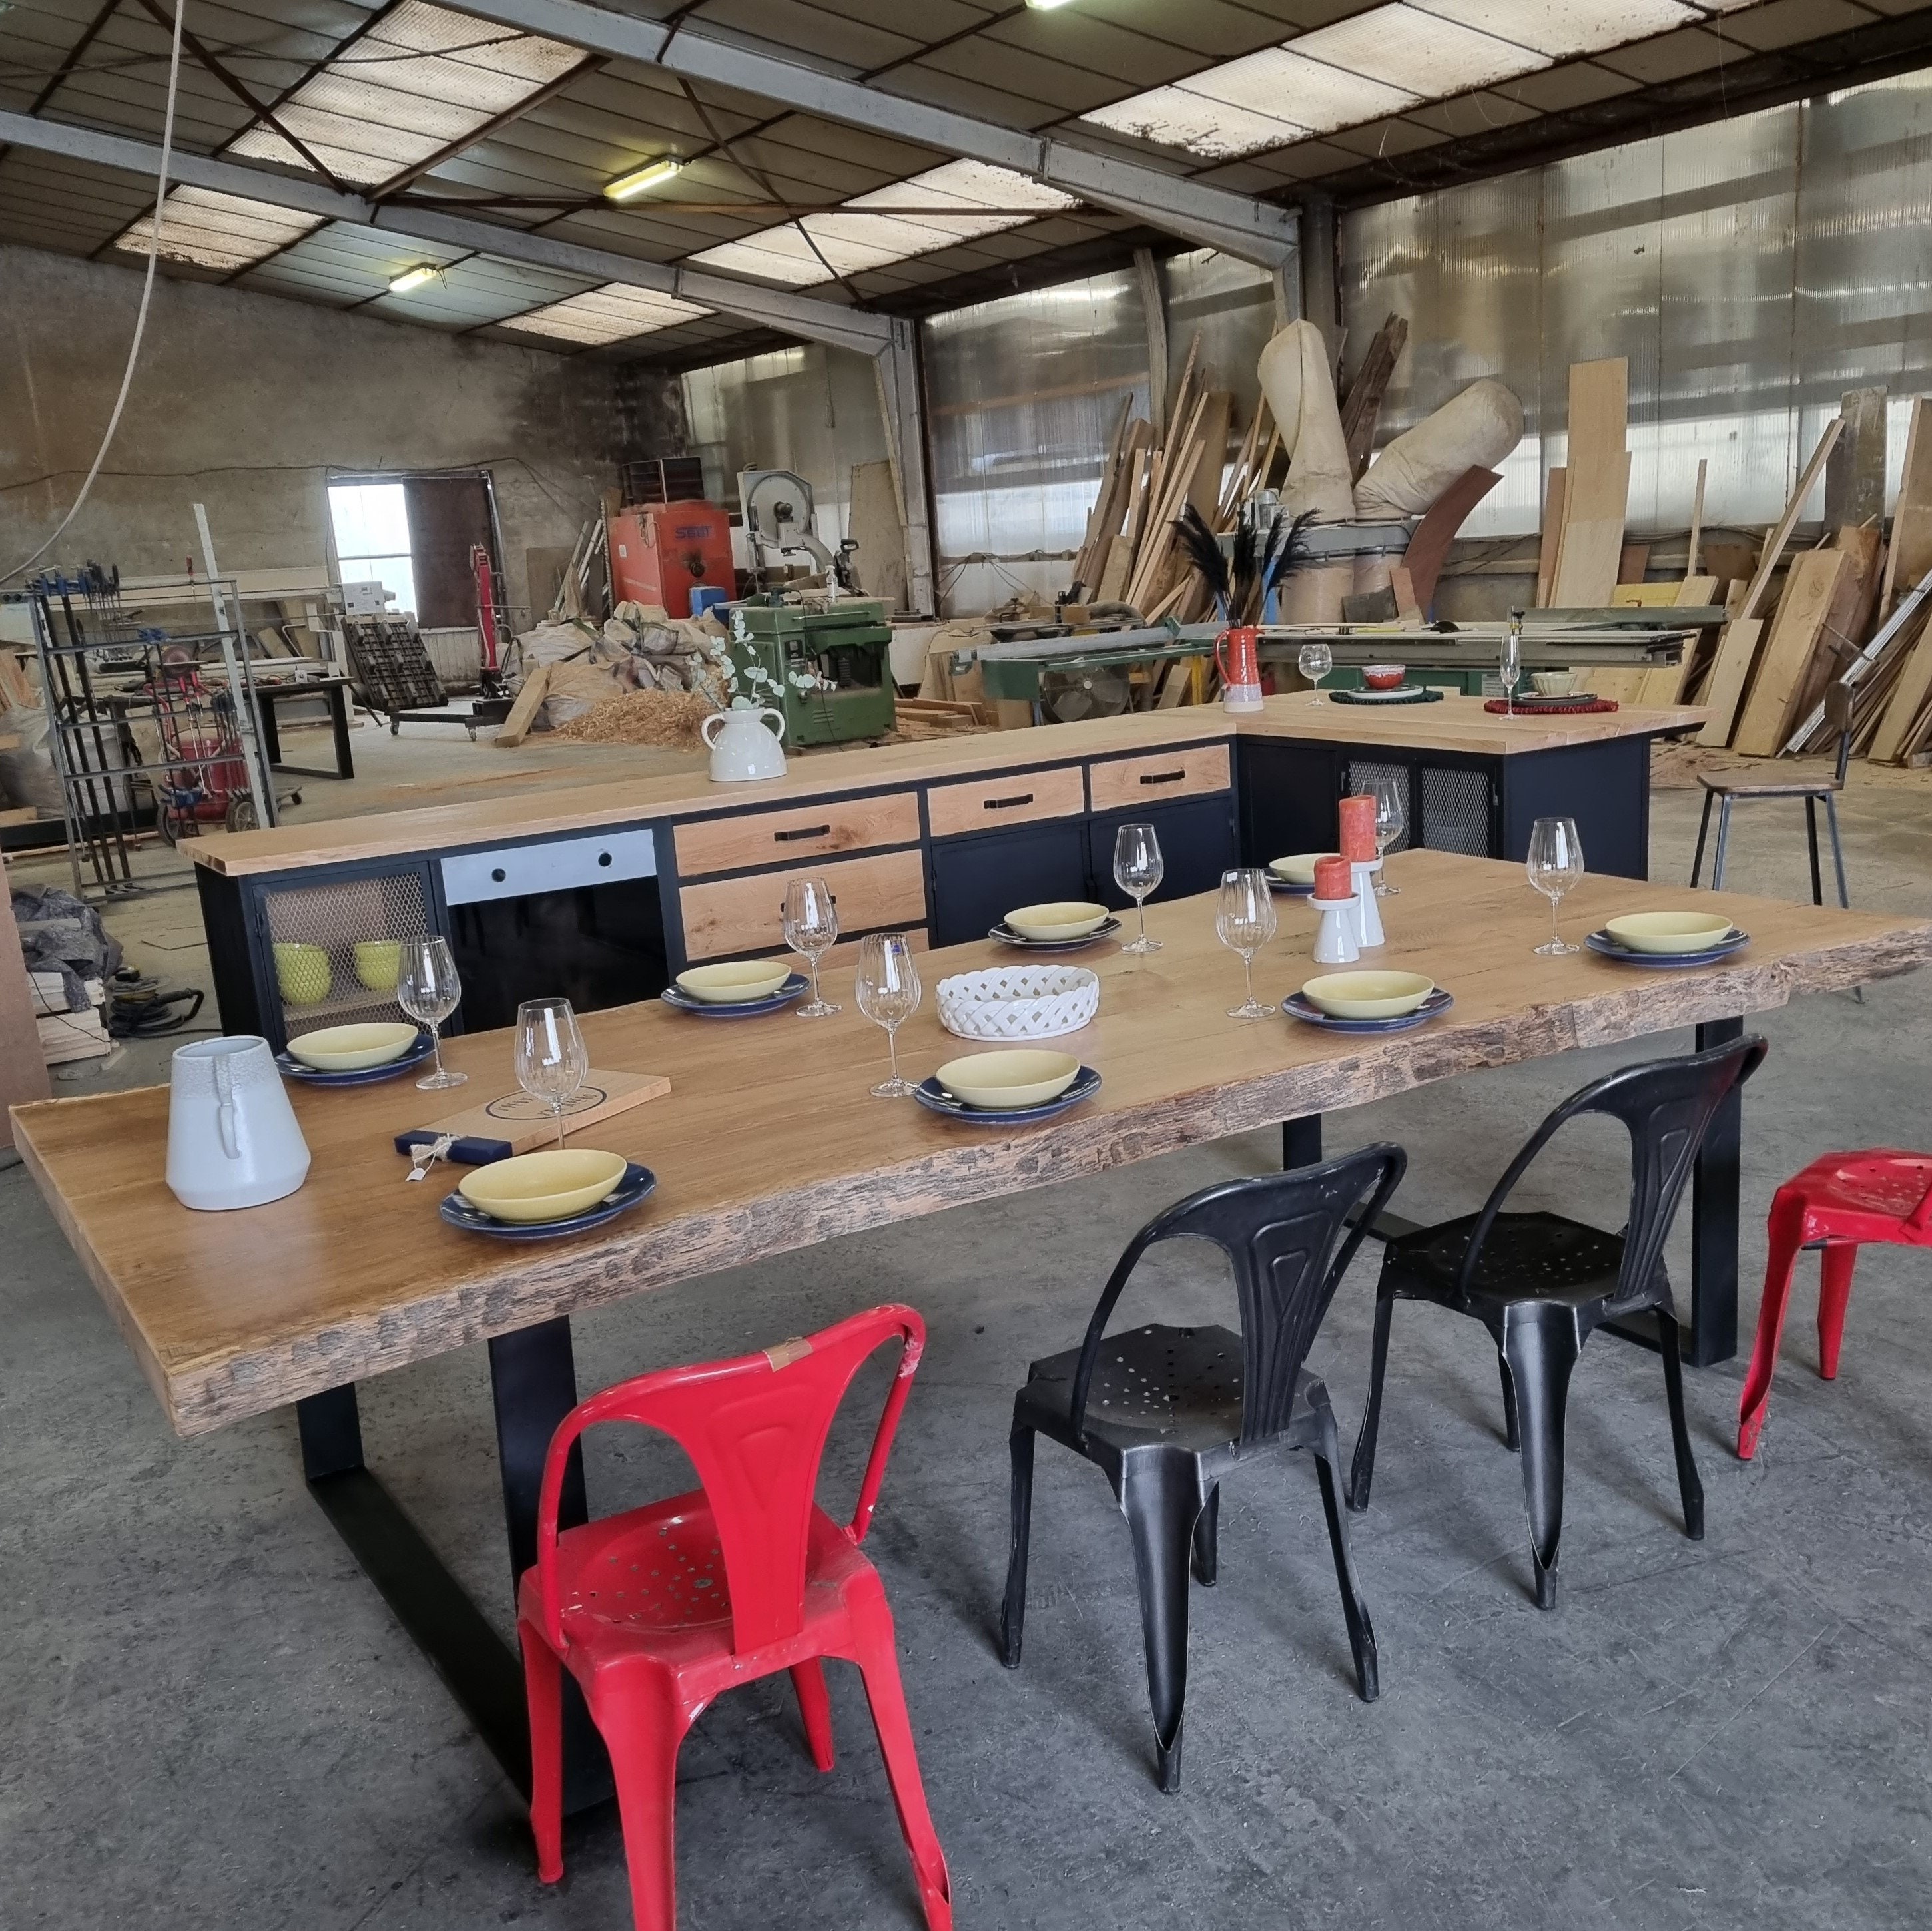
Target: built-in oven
<point>579,918</point>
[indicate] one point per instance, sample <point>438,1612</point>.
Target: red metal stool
<point>1846,1200</point>
<point>657,1611</point>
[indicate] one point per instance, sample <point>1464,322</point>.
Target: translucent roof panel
<point>1375,64</point>
<point>217,231</point>
<point>420,79</point>
<point>611,313</point>
<point>848,239</point>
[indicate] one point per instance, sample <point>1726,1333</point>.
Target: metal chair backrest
<point>1667,1105</point>
<point>1288,1238</point>
<point>1838,715</point>
<point>754,1428</point>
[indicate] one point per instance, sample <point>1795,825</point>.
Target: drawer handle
<point>804,831</point>
<point>1006,804</point>
<point>1162,776</point>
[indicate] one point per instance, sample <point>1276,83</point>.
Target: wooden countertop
<point>1457,723</point>
<point>759,1151</point>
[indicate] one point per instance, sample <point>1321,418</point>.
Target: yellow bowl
<point>302,972</point>
<point>350,1049</point>
<point>378,962</point>
<point>1368,995</point>
<point>1670,931</point>
<point>1063,918</point>
<point>731,981</point>
<point>529,1188</point>
<point>1300,869</point>
<point>1025,1077</point>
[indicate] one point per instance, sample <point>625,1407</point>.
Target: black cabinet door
<point>1197,842</point>
<point>977,881</point>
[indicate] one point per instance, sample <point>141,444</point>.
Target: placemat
<point>1502,707</point>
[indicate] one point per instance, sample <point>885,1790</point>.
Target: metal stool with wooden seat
<point>1726,788</point>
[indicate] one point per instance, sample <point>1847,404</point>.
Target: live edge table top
<point>768,1141</point>
<point>1458,725</point>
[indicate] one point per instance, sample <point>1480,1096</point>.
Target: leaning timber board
<point>1785,661</point>
<point>759,1152</point>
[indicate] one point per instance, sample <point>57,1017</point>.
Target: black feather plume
<point>1204,551</point>
<point>1286,552</point>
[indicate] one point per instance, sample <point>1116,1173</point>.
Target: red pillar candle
<point>1333,878</point>
<point>1357,838</point>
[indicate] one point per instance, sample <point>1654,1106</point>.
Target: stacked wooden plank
<point>1585,534</point>
<point>65,1035</point>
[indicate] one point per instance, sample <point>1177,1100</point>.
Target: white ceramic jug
<point>232,1139</point>
<point>741,749</point>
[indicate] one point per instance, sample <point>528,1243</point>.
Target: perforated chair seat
<point>1528,1257</point>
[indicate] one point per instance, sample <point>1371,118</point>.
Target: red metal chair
<point>656,1611</point>
<point>1846,1201</point>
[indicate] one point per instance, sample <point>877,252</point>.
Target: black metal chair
<point>1543,1283</point>
<point>1165,1413</point>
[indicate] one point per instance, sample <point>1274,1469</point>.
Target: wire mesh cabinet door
<point>1446,806</point>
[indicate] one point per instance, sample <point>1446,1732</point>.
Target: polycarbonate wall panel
<point>813,410</point>
<point>1231,305</point>
<point>1751,270</point>
<point>1022,397</point>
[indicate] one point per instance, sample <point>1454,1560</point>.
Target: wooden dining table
<point>233,1314</point>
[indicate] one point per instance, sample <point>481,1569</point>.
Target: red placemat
<point>1503,708</point>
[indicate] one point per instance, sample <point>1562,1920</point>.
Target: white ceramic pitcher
<point>741,749</point>
<point>233,1139</point>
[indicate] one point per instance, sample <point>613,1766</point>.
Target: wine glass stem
<point>893,1048</point>
<point>1555,935</point>
<point>1140,905</point>
<point>435,1045</point>
<point>557,1108</point>
<point>1248,973</point>
<point>811,959</point>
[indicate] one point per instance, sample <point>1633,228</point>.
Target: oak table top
<point>1456,723</point>
<point>769,1141</point>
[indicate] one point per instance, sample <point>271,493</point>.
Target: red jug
<point>1236,658</point>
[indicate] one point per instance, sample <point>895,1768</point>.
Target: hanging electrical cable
<point>141,314</point>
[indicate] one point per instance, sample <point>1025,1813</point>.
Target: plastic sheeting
<point>1751,270</point>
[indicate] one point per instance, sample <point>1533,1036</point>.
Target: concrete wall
<point>245,402</point>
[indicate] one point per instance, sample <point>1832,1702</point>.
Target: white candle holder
<point>1336,941</point>
<point>1369,932</point>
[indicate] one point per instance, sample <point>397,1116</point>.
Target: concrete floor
<point>211,1720</point>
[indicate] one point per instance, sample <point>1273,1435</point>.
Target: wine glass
<point>427,990</point>
<point>1510,666</point>
<point>888,990</point>
<point>1556,865</point>
<point>1386,791</point>
<point>553,1061</point>
<point>1314,661</point>
<point>1139,868</point>
<point>1245,923</point>
<point>811,929</point>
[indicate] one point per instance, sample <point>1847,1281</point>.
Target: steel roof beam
<point>796,315</point>
<point>1216,217</point>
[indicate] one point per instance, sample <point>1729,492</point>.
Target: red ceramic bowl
<point>1384,676</point>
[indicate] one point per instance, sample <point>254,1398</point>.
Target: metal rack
<point>141,738</point>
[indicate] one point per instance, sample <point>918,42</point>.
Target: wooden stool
<point>1726,788</point>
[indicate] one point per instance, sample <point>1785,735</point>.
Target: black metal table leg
<point>1713,1219</point>
<point>1301,1142</point>
<point>272,730</point>
<point>338,718</point>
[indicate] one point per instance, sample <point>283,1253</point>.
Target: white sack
<point>1473,430</point>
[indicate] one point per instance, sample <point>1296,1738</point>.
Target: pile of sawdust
<point>668,718</point>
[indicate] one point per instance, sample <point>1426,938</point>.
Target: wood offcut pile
<point>1854,607</point>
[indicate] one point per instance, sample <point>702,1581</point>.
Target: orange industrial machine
<point>660,553</point>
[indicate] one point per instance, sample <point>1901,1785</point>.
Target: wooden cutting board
<point>513,1124</point>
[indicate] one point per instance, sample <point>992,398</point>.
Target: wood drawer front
<point>730,916</point>
<point>991,803</point>
<point>805,831</point>
<point>1121,784</point>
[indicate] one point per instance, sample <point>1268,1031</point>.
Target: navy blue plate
<point>638,1182</point>
<point>1287,889</point>
<point>411,1057</point>
<point>1602,942</point>
<point>794,988</point>
<point>1298,1007</point>
<point>1007,935</point>
<point>930,1092</point>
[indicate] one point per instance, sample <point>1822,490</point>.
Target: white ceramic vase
<point>742,749</point>
<point>233,1139</point>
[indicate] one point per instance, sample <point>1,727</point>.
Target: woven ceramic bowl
<point>1018,1002</point>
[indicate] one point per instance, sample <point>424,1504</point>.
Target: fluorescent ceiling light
<point>413,278</point>
<point>611,313</point>
<point>217,231</point>
<point>1563,29</point>
<point>1428,54</point>
<point>643,180</point>
<point>849,239</point>
<point>419,80</point>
